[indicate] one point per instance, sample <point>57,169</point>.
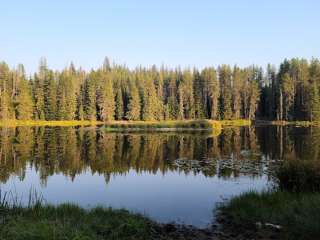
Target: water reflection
<point>168,176</point>
<point>71,151</point>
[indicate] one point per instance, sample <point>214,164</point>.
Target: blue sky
<point>187,33</point>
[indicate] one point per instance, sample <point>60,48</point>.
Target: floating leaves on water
<point>246,163</point>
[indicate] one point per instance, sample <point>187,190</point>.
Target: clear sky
<point>173,32</point>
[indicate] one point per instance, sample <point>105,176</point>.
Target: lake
<point>169,177</point>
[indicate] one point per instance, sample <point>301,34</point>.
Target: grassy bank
<point>165,124</point>
<point>174,124</point>
<point>292,209</point>
<point>297,215</point>
<point>18,123</point>
<point>71,222</point>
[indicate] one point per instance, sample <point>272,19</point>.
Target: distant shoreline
<point>170,125</point>
<point>286,123</point>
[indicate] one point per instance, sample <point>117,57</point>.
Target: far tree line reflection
<point>71,151</point>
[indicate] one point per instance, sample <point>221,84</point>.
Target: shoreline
<point>204,124</point>
<point>166,125</point>
<point>286,123</point>
<point>67,219</point>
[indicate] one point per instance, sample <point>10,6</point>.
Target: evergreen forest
<point>115,92</point>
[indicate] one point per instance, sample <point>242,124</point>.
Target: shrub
<point>299,176</point>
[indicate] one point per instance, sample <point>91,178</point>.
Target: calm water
<point>167,176</point>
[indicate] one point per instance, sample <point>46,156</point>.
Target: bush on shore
<point>299,176</point>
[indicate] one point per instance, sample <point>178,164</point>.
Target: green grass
<point>70,222</point>
<point>38,220</point>
<point>17,123</point>
<point>297,214</point>
<point>167,124</point>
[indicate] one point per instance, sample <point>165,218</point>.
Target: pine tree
<point>288,94</point>
<point>198,86</point>
<point>225,92</point>
<point>134,106</point>
<point>38,90</point>
<point>187,95</point>
<point>6,104</point>
<point>49,94</point>
<point>89,100</point>
<point>80,101</point>
<point>172,95</point>
<point>236,92</point>
<point>105,98</point>
<point>315,102</point>
<point>23,98</point>
<point>210,92</point>
<point>150,104</point>
<point>119,110</point>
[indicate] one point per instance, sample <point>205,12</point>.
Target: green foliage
<point>50,94</point>
<point>23,99</point>
<point>150,102</point>
<point>299,176</point>
<point>314,102</point>
<point>89,99</point>
<point>134,105</point>
<point>116,92</point>
<point>68,91</point>
<point>226,95</point>
<point>6,104</point>
<point>119,105</point>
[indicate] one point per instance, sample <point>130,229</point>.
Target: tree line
<point>115,92</point>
